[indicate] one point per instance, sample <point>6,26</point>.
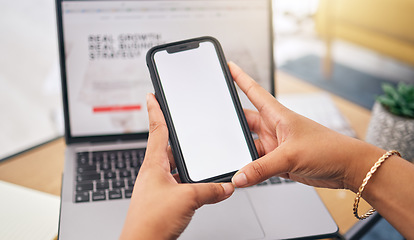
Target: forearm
<point>390,190</point>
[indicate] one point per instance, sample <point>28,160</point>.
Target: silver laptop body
<point>102,47</point>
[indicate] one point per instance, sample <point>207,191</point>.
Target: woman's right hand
<point>298,148</point>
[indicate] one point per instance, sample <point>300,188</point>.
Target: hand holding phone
<point>209,135</point>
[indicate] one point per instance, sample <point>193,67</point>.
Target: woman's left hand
<point>160,207</point>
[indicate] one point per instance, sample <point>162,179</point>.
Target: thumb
<point>208,193</point>
<point>261,169</point>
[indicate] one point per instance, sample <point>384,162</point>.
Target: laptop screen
<point>104,43</point>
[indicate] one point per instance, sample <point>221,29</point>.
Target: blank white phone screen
<point>206,122</point>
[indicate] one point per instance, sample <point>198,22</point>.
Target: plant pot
<point>391,132</point>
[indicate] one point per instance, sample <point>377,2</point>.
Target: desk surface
<point>42,168</point>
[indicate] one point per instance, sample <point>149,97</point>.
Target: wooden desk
<point>41,168</point>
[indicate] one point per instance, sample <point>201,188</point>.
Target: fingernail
<point>239,180</point>
<point>228,188</point>
<point>148,96</point>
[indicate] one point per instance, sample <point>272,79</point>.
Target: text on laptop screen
<point>106,41</point>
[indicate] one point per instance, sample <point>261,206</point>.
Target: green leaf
<point>402,88</point>
<point>407,112</point>
<point>406,89</point>
<point>410,93</point>
<point>410,90</point>
<point>403,103</point>
<point>410,105</point>
<point>389,90</point>
<point>386,101</point>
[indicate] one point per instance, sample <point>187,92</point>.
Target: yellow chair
<point>385,26</point>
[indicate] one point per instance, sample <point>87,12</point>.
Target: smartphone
<point>209,135</point>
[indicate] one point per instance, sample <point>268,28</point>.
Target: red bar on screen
<point>117,108</point>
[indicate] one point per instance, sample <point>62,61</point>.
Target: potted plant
<point>392,120</point>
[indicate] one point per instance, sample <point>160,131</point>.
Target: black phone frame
<point>159,94</point>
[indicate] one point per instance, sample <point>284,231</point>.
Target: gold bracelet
<point>365,181</point>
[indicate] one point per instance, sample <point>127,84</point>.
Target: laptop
<point>102,47</point>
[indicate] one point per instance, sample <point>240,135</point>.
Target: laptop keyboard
<point>110,175</point>
<point>107,175</point>
<point>274,180</point>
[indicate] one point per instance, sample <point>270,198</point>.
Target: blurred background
<point>347,47</point>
